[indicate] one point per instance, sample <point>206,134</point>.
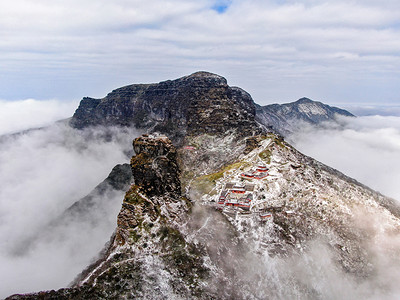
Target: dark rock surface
<point>196,104</point>
<point>165,247</point>
<point>154,166</point>
<point>151,209</point>
<point>199,103</point>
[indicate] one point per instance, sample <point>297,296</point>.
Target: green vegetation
<point>122,281</point>
<point>279,142</point>
<point>134,237</point>
<point>182,257</point>
<point>265,155</point>
<point>205,184</point>
<point>132,196</point>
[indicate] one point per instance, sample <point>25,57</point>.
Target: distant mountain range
<point>289,117</point>
<point>200,102</point>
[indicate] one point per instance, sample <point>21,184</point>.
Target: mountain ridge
<point>290,117</point>
<point>306,201</point>
<point>225,210</point>
<point>200,102</point>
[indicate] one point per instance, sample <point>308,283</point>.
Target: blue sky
<point>333,51</point>
<point>221,6</point>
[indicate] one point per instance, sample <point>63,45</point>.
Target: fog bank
<point>366,148</point>
<point>25,114</point>
<point>42,173</point>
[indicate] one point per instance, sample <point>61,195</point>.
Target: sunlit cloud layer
<point>277,50</point>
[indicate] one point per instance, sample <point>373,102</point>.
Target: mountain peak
<point>205,74</point>
<point>287,118</point>
<point>195,104</point>
<point>304,100</point>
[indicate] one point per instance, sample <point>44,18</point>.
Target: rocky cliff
<point>161,248</point>
<point>194,104</point>
<point>302,218</point>
<point>231,214</point>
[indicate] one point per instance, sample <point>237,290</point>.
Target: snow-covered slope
<point>307,229</point>
<point>289,117</point>
<point>237,213</point>
<point>306,210</point>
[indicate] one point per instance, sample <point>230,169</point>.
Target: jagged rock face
<point>147,229</point>
<point>165,248</point>
<point>199,103</point>
<point>286,118</point>
<point>156,174</point>
<point>154,166</point>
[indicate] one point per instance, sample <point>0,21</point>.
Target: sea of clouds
<point>366,148</point>
<point>24,114</point>
<point>42,173</point>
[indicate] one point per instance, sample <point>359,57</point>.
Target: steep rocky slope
<point>158,251</point>
<point>198,103</point>
<point>231,211</point>
<point>305,200</point>
<point>302,218</point>
<point>289,117</point>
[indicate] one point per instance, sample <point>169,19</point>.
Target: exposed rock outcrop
<point>147,228</point>
<point>199,103</point>
<point>155,168</point>
<point>304,225</point>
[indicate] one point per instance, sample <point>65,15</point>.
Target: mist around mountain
<point>288,118</point>
<point>328,237</point>
<point>365,148</point>
<point>43,172</point>
<point>17,116</point>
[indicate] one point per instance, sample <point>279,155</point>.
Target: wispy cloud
<point>277,50</point>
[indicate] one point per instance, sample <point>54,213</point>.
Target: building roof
<point>224,193</point>
<point>249,187</point>
<point>229,185</point>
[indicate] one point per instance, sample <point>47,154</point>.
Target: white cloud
<point>42,173</point>
<point>20,115</point>
<point>365,148</point>
<point>275,49</point>
<point>372,110</point>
